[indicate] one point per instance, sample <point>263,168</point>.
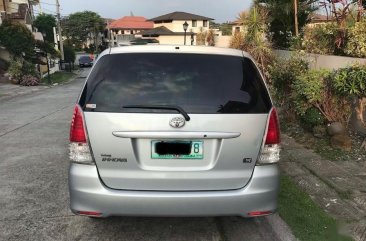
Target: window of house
<point>204,23</point>
<point>194,23</point>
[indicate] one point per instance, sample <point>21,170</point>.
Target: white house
<point>169,28</point>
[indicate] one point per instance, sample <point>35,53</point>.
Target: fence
<point>318,61</point>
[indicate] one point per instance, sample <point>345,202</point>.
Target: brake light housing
<point>270,153</point>
<point>79,150</point>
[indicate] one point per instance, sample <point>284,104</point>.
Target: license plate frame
<point>196,150</point>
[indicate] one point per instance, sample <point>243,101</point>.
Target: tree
<point>69,54</point>
<point>254,40</point>
<point>45,23</point>
<point>81,26</point>
<point>17,39</point>
<point>281,18</point>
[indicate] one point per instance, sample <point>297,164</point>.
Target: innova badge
<point>177,122</point>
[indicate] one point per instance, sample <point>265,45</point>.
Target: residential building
<point>125,29</point>
<point>18,10</point>
<point>238,27</point>
<point>168,28</point>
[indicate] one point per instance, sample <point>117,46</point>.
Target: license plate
<point>177,149</point>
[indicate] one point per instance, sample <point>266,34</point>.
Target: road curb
<point>279,228</point>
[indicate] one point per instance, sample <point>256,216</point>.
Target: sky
<point>220,10</point>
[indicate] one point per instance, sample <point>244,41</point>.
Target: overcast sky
<point>220,10</point>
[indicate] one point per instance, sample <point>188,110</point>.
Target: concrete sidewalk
<point>339,187</point>
<point>9,90</point>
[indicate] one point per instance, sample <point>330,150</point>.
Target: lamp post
<point>185,27</point>
<point>48,64</point>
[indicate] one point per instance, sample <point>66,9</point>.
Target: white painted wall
<point>177,26</point>
<point>318,61</point>
<point>179,40</point>
<point>222,41</point>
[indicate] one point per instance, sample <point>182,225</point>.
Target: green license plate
<point>177,149</point>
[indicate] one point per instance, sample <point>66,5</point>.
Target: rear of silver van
<point>174,131</point>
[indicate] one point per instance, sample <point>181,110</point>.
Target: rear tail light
<point>79,147</point>
<point>259,213</point>
<point>271,150</point>
<point>89,213</point>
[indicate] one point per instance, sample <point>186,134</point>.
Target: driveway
<point>34,200</point>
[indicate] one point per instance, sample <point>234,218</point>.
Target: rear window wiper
<point>160,107</point>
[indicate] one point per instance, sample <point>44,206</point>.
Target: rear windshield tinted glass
<point>197,83</point>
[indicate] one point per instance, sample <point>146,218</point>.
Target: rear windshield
<point>198,83</point>
<point>85,58</point>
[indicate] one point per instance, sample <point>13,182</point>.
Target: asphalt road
<point>34,199</point>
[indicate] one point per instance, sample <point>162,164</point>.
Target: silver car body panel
<point>88,193</point>
<point>225,182</point>
<point>238,137</point>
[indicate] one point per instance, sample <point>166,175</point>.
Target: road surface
<point>34,199</point>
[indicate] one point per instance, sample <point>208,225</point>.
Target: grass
<point>307,220</point>
<point>59,77</point>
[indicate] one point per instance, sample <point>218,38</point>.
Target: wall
<point>179,40</point>
<point>177,26</point>
<point>4,54</point>
<point>222,41</point>
<point>318,61</point>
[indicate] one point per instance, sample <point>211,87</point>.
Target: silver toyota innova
<point>174,131</point>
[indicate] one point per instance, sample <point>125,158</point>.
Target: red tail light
<point>273,133</point>
<point>260,213</point>
<point>77,130</point>
<point>88,213</point>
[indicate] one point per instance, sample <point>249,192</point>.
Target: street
<point>34,199</point>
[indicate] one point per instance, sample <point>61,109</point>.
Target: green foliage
<point>281,18</point>
<point>17,39</point>
<point>45,23</point>
<point>80,26</point>
<point>356,44</point>
<point>69,53</point>
<point>226,29</point>
<point>309,90</point>
<point>313,117</point>
<point>320,39</point>
<point>283,73</point>
<point>254,40</point>
<point>47,48</point>
<point>314,89</point>
<point>351,81</point>
<point>19,69</point>
<point>15,70</point>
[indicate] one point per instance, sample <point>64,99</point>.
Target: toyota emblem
<point>177,122</point>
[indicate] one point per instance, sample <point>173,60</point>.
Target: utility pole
<point>296,19</point>
<point>109,34</point>
<point>59,30</point>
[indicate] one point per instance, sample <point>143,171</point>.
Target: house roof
<point>131,22</point>
<point>162,31</point>
<point>179,16</point>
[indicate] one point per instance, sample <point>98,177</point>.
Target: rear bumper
<point>88,193</point>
